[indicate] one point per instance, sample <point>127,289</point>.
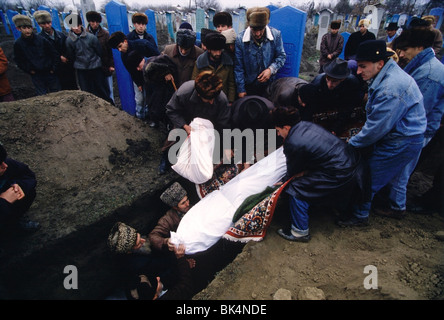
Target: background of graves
<point>295,24</point>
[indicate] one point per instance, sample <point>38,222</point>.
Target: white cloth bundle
<point>208,220</point>
<point>195,159</point>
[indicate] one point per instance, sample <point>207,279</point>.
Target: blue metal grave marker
<point>5,23</point>
<point>151,27</point>
<point>439,15</point>
<point>345,35</point>
<point>15,32</point>
<point>117,21</point>
<point>291,22</point>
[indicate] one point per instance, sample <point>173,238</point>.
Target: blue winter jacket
<point>428,73</point>
<point>252,59</point>
<point>394,108</point>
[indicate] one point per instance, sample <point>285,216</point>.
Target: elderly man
<point>259,52</point>
<point>394,129</point>
<point>184,54</point>
<point>356,38</point>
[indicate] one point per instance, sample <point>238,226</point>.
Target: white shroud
<point>207,221</point>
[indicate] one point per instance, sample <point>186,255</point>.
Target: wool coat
<point>185,65</point>
<point>225,71</point>
<point>185,105</point>
<point>35,54</point>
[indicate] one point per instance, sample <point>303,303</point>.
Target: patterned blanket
<point>253,225</point>
<point>221,175</point>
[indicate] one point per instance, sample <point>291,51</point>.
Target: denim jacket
<point>428,73</point>
<point>252,59</point>
<point>394,109</point>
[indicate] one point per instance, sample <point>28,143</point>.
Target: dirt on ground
<point>96,164</point>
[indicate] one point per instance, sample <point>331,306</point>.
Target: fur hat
<point>21,20</point>
<point>431,19</point>
<point>208,85</point>
<point>373,50</point>
<point>185,38</point>
<point>415,37</point>
<point>116,38</point>
<point>258,17</point>
<point>230,35</point>
<point>140,18</point>
<point>122,238</point>
<point>335,24</point>
<point>364,22</point>
<point>93,16</point>
<point>173,195</point>
<point>42,16</point>
<point>3,154</point>
<point>214,41</point>
<point>222,18</point>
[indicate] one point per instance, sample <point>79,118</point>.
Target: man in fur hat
<point>177,199</point>
<point>431,23</point>
<point>184,54</point>
<point>393,133</point>
<point>259,52</point>
<point>65,70</point>
<point>84,49</point>
<point>36,56</point>
<point>356,38</point>
<point>222,21</point>
<point>331,45</point>
<point>94,19</point>
<point>219,62</point>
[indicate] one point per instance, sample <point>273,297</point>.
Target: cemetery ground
<point>96,165</point>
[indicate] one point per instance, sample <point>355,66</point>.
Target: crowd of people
<point>360,126</point>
